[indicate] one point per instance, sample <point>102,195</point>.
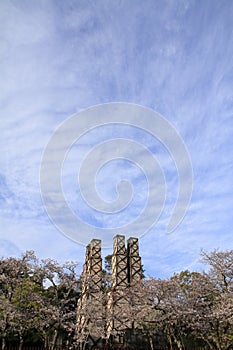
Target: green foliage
<point>38,301</point>
<point>108,263</point>
<point>30,311</point>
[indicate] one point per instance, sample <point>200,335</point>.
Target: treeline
<point>194,308</point>
<point>38,304</point>
<point>37,301</point>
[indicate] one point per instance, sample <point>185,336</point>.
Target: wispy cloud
<point>60,58</point>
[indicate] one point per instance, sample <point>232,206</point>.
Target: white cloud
<point>171,56</point>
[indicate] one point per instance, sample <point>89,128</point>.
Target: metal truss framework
<point>90,302</point>
<point>100,313</point>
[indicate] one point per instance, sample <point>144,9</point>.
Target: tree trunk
<point>54,340</point>
<point>178,343</point>
<point>83,345</point>
<point>4,333</point>
<point>20,341</point>
<point>3,341</point>
<point>46,342</point>
<point>170,341</point>
<point>151,342</point>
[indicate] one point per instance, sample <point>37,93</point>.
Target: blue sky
<point>58,58</point>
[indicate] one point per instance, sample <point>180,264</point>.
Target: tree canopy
<point>38,304</point>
